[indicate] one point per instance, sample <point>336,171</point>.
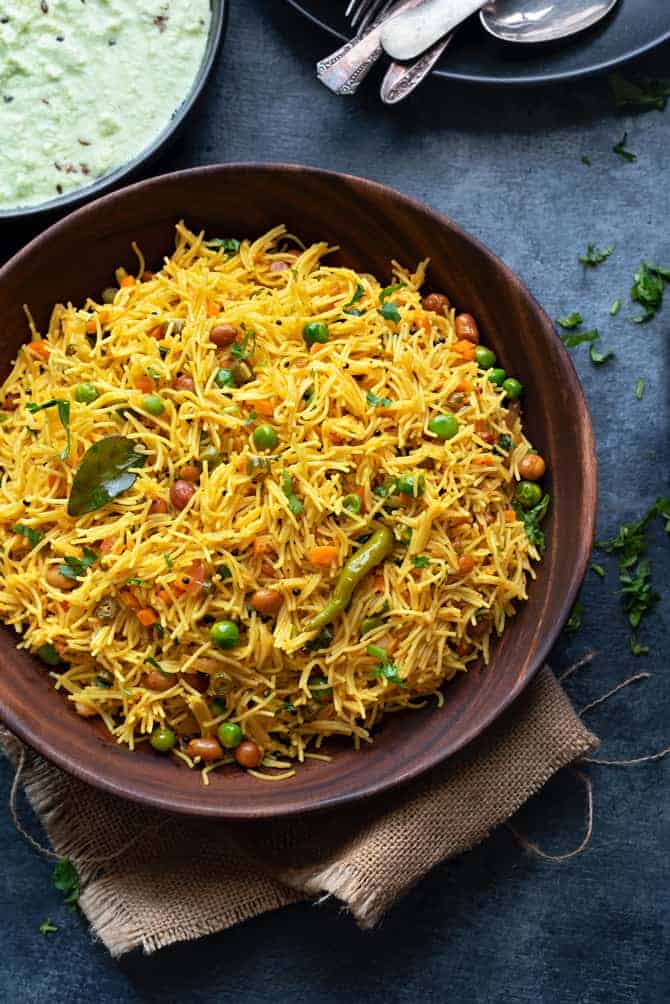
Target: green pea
<point>315,331</point>
<point>408,484</point>
<point>319,688</point>
<point>230,735</point>
<point>163,739</point>
<point>265,437</point>
<point>218,707</point>
<point>153,404</point>
<point>85,393</point>
<point>224,378</point>
<point>512,388</point>
<point>528,494</point>
<point>211,455</point>
<point>484,357</point>
<point>497,377</point>
<point>224,634</point>
<point>444,426</point>
<point>351,503</point>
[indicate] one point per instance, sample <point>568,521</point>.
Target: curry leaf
<point>108,469</point>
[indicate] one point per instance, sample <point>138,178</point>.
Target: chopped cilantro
<point>294,503</point>
<point>598,569</point>
<point>575,619</point>
<point>389,311</point>
<point>389,291</point>
<point>636,648</point>
<point>646,95</point>
<point>579,337</point>
<point>615,308</point>
<point>32,536</point>
<point>66,880</point>
<point>620,149</point>
<point>648,285</point>
<point>531,519</point>
<point>74,568</point>
<point>570,321</point>
<point>150,661</point>
<point>167,559</point>
<point>376,401</point>
<point>46,927</point>
<point>420,560</point>
<point>594,256</point>
<point>359,293</point>
<point>63,414</point>
<point>598,357</point>
<point>586,161</point>
<point>229,245</point>
<point>505,442</point>
<point>135,582</point>
<point>241,350</point>
<point>639,388</point>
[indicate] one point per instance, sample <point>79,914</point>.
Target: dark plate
<point>634,27</point>
<point>372,224</point>
<point>164,138</point>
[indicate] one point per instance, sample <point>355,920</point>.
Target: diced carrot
<point>465,564</point>
<point>129,599</point>
<point>323,556</point>
<point>509,516</point>
<point>482,461</point>
<point>265,407</point>
<point>39,349</point>
<point>261,547</point>
<point>164,596</point>
<point>213,308</point>
<point>91,326</point>
<point>147,616</point>
<point>144,383</point>
<point>465,386</point>
<point>465,349</point>
<point>107,545</point>
<point>127,280</point>
<point>158,332</point>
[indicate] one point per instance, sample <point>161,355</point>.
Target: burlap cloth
<point>184,878</point>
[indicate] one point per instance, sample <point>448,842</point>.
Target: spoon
<point>542,20</point>
<point>412,32</point>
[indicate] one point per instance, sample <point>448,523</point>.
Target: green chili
<point>367,557</point>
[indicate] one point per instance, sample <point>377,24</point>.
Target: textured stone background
<point>498,925</point>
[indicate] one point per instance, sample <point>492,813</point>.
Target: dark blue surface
<point>498,925</point>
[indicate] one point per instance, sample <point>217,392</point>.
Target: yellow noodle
<point>332,440</point>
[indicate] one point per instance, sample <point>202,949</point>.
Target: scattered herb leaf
<point>150,661</point>
<point>575,619</point>
<point>648,285</point>
<point>620,149</point>
<point>570,321</point>
<point>420,560</point>
<point>505,442</point>
<point>32,536</point>
<point>389,291</point>
<point>66,880</point>
<point>636,648</point>
<point>639,388</point>
<point>135,582</point>
<point>167,559</point>
<point>579,337</point>
<point>531,519</point>
<point>598,357</point>
<point>74,568</point>
<point>46,927</point>
<point>390,312</point>
<point>241,350</point>
<point>359,293</point>
<point>586,161</point>
<point>598,569</point>
<point>594,256</point>
<point>63,414</point>
<point>294,503</point>
<point>230,245</point>
<point>615,308</point>
<point>647,94</point>
<point>376,401</point>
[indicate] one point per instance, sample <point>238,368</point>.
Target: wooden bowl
<point>372,224</point>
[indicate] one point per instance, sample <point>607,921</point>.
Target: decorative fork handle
<point>403,78</point>
<point>344,70</point>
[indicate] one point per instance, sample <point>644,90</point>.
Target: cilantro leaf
<point>420,560</point>
<point>32,536</point>
<point>586,161</point>
<point>359,293</point>
<point>639,388</point>
<point>637,593</point>
<point>598,357</point>
<point>294,503</point>
<point>241,350</point>
<point>574,621</point>
<point>167,559</point>
<point>46,927</point>
<point>579,337</point>
<point>66,880</point>
<point>390,312</point>
<point>570,321</point>
<point>150,661</point>
<point>229,245</point>
<point>615,308</point>
<point>646,95</point>
<point>531,519</point>
<point>594,256</point>
<point>505,442</point>
<point>74,568</point>
<point>598,569</point>
<point>648,286</point>
<point>636,648</point>
<point>376,401</point>
<point>390,290</point>
<point>620,149</point>
<point>63,414</point>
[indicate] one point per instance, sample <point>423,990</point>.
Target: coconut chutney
<point>85,85</point>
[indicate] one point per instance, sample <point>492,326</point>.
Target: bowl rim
<point>104,184</point>
<point>180,803</point>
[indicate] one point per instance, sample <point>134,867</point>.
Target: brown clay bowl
<point>372,225</point>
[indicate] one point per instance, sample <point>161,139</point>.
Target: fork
<point>344,70</point>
